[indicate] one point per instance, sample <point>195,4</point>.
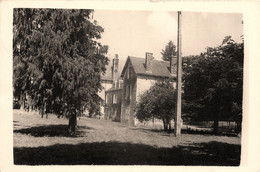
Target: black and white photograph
<point>120,87</point>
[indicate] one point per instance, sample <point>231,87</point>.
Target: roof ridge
<point>152,59</point>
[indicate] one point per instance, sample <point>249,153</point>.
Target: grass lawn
<point>41,141</point>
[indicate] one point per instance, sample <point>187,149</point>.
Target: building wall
<point>144,83</point>
<point>113,102</point>
<point>139,85</point>
<point>128,95</point>
<point>134,86</point>
<point>106,84</point>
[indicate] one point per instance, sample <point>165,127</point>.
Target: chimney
<point>148,61</point>
<point>115,68</point>
<point>173,64</point>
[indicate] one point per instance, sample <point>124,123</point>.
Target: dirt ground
<point>41,141</point>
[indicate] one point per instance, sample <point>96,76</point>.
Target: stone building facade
<point>113,98</point>
<point>113,95</point>
<point>138,75</point>
<point>108,80</point>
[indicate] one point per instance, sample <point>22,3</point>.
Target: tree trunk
<point>72,124</point>
<point>42,111</point>
<point>45,109</point>
<point>216,126</point>
<point>238,126</point>
<point>170,126</point>
<point>164,124</point>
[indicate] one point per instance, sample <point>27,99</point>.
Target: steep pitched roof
<point>158,68</point>
<point>108,75</point>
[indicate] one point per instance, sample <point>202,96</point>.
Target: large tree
<point>169,51</point>
<point>57,60</point>
<point>213,83</point>
<point>158,102</point>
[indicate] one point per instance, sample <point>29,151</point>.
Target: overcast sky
<point>132,33</point>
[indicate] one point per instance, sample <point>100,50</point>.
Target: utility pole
<point>177,122</point>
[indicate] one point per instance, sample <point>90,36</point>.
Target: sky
<point>132,33</point>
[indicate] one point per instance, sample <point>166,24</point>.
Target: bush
<point>158,102</point>
<point>16,104</point>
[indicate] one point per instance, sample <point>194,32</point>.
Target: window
<point>115,84</point>
<point>130,92</point>
<point>106,98</point>
<point>128,73</point>
<point>126,92</point>
<point>115,112</point>
<point>114,99</point>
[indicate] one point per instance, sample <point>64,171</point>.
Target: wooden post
<point>177,122</point>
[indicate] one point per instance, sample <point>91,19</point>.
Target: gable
<point>127,64</point>
<point>158,68</point>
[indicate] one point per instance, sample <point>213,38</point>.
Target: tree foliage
<point>169,51</point>
<point>57,60</point>
<point>158,102</point>
<point>213,83</point>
